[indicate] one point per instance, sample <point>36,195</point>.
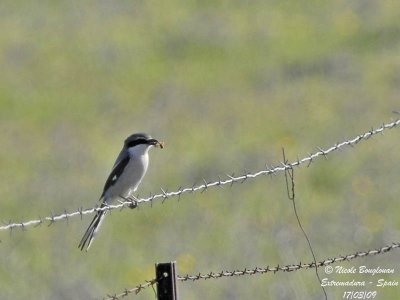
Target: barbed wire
<point>257,270</point>
<point>230,180</point>
<point>136,290</point>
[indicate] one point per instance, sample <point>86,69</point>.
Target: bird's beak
<point>156,143</point>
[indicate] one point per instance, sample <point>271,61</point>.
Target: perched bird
<point>126,175</point>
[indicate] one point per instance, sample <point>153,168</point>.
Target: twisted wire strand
<point>257,270</point>
<point>231,179</point>
<point>136,290</point>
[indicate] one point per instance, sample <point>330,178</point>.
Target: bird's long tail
<point>90,233</point>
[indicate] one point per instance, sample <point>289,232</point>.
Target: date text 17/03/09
<point>360,294</point>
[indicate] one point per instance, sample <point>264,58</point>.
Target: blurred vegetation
<point>226,85</point>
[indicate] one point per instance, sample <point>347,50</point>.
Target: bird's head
<point>142,140</point>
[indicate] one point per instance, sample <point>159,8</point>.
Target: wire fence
<point>229,180</point>
<point>252,271</point>
<point>284,166</point>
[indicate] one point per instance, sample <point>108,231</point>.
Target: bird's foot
<point>133,201</point>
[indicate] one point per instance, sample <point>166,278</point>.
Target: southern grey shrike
<point>126,175</point>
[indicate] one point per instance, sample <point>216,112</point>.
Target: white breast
<point>131,176</point>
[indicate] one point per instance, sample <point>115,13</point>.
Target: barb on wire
<point>136,290</point>
<point>231,179</point>
<point>257,270</point>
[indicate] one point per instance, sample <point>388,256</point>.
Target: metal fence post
<point>166,281</point>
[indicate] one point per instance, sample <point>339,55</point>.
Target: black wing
<point>115,173</point>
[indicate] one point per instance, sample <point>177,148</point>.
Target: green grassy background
<point>226,85</point>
